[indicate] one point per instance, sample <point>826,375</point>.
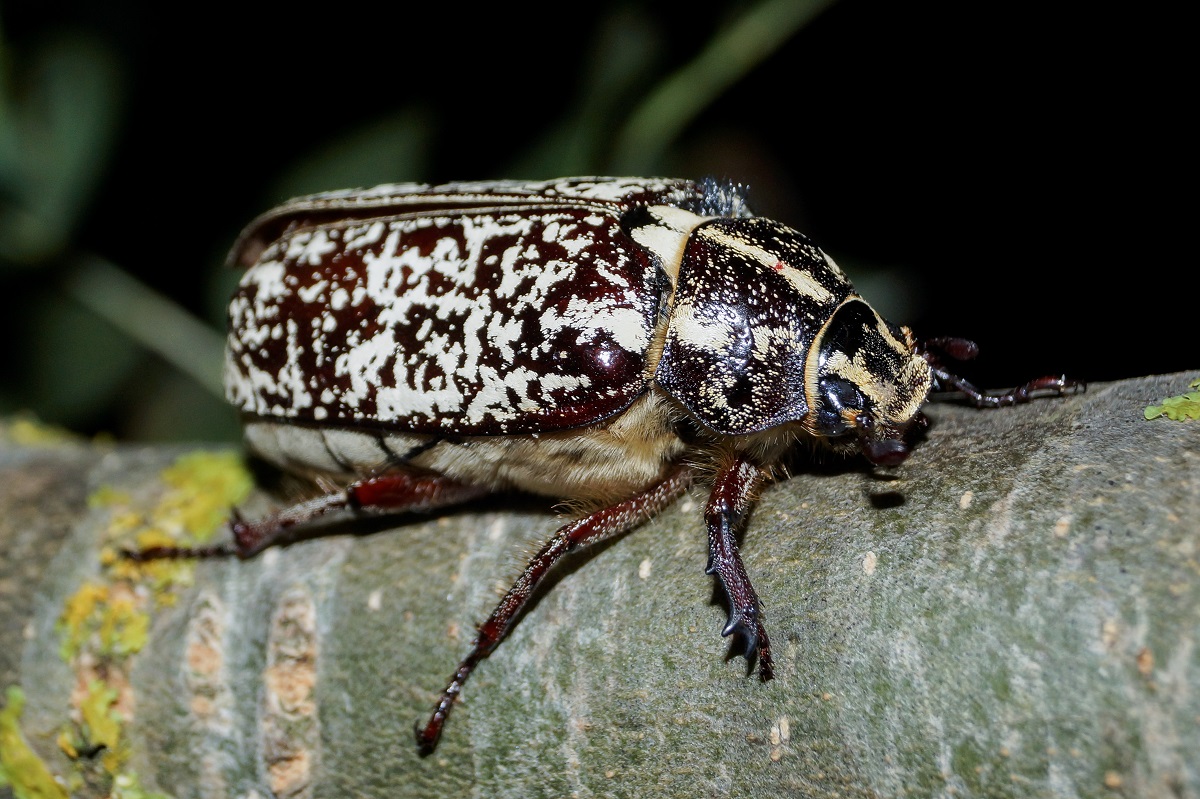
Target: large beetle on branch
<point>602,340</point>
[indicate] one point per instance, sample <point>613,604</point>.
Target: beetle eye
<point>837,395</point>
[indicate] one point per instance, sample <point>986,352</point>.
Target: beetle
<point>608,341</point>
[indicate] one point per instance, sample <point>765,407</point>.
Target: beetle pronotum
<point>590,339</point>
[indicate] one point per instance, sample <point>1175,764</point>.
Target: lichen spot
<point>870,560</point>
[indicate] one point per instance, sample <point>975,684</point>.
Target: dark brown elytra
<point>731,496</point>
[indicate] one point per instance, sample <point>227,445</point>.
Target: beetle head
<point>866,384</point>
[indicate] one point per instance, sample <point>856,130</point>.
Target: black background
<point>1016,174</point>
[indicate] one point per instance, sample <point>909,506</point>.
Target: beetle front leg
<point>394,492</point>
<point>933,350</point>
<point>1055,385</point>
<point>731,499</point>
<point>588,531</point>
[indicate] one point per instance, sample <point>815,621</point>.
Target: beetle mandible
<point>600,340</point>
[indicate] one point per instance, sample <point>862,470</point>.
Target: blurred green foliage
<point>1181,407</point>
<point>105,351</point>
<point>56,130</point>
<point>945,154</point>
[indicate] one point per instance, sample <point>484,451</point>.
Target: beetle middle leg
<point>731,499</point>
<point>588,531</point>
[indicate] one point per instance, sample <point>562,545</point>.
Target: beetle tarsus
<point>429,735</point>
<point>147,554</point>
<point>748,629</point>
<point>936,350</point>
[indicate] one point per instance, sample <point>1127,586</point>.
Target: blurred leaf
<point>9,152</point>
<point>394,149</point>
<point>55,135</point>
<point>731,54</point>
<point>621,56</point>
<point>152,320</point>
<point>79,362</point>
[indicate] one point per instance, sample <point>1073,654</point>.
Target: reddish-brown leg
<point>396,492</point>
<point>731,499</point>
<point>1057,386</point>
<point>588,531</point>
<point>934,350</point>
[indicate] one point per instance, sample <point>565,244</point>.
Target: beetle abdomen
<point>619,456</point>
<point>480,322</point>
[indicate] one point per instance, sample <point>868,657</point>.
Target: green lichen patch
<point>75,623</point>
<point>25,430</point>
<point>1178,408</point>
<point>205,485</point>
<point>20,767</point>
<point>106,621</point>
<point>102,723</point>
<point>107,496</point>
<point>106,618</point>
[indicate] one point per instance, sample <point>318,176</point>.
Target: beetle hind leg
<point>392,492</point>
<point>731,499</point>
<point>588,531</point>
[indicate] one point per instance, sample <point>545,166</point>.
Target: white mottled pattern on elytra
<point>359,237</point>
<point>458,360</point>
<point>311,247</point>
<point>245,383</point>
<point>625,325</point>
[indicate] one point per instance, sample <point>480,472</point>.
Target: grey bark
<point>1013,613</point>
